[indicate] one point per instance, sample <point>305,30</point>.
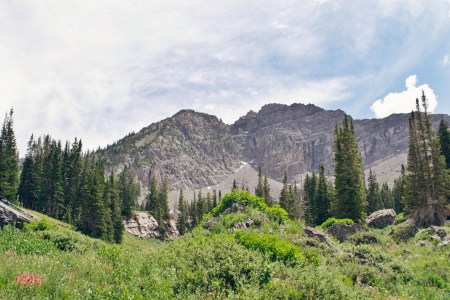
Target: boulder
<point>343,232</point>
<point>171,229</point>
<point>209,223</point>
<point>440,232</point>
<point>144,225</point>
<point>381,218</point>
<point>10,215</point>
<point>409,229</point>
<point>234,209</point>
<point>311,232</point>
<point>244,225</point>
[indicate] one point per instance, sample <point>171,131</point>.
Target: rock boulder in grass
<point>9,215</point>
<point>171,229</point>
<point>440,232</point>
<point>343,232</point>
<point>311,232</point>
<point>234,209</point>
<point>381,218</point>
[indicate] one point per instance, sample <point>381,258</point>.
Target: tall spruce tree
<point>182,215</point>
<point>259,190</point>
<point>444,140</point>
<point>9,160</point>
<point>267,197</point>
<point>373,198</point>
<point>386,196</point>
<point>349,185</point>
<point>284,194</point>
<point>128,191</point>
<point>426,181</point>
<point>322,199</point>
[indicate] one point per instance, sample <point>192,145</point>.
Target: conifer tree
<point>426,182</point>
<point>322,199</point>
<point>214,199</point>
<point>444,140</point>
<point>9,160</point>
<point>164,199</point>
<point>267,197</point>
<point>235,186</point>
<point>398,191</point>
<point>181,217</point>
<point>259,190</point>
<point>127,191</point>
<point>26,185</point>
<point>152,198</point>
<point>309,190</point>
<point>284,194</point>
<point>116,210</point>
<point>373,194</point>
<point>386,196</point>
<point>349,186</point>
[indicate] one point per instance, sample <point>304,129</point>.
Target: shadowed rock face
<point>9,215</point>
<point>195,150</point>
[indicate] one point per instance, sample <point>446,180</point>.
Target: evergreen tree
<point>116,210</point>
<point>153,196</point>
<point>444,140</point>
<point>97,214</point>
<point>309,191</point>
<point>9,160</point>
<point>349,185</point>
<point>26,185</point>
<point>267,197</point>
<point>235,186</point>
<point>259,190</point>
<point>426,181</point>
<point>127,191</point>
<point>373,198</point>
<point>322,199</point>
<point>386,196</point>
<point>398,191</point>
<point>214,199</point>
<point>164,199</point>
<point>181,217</point>
<point>284,194</point>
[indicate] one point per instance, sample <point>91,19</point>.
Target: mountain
<point>197,150</point>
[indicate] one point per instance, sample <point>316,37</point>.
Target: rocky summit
<point>196,150</point>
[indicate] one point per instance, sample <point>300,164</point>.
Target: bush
<point>19,242</point>
<point>331,221</point>
<point>275,213</point>
<point>38,225</point>
<point>274,247</point>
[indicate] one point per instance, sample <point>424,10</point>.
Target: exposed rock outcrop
<point>343,232</point>
<point>234,209</point>
<point>322,237</point>
<point>440,232</point>
<point>9,215</point>
<point>381,218</point>
<point>144,225</point>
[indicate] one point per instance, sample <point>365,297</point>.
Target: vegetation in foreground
<point>273,259</point>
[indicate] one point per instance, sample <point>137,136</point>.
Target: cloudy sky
<point>99,69</point>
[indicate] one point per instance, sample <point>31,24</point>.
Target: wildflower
<point>104,284</point>
<point>28,279</point>
<point>9,253</point>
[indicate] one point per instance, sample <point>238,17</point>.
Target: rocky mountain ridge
<point>197,150</point>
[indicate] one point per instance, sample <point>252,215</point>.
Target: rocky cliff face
<point>191,149</point>
<point>195,150</point>
<point>144,225</point>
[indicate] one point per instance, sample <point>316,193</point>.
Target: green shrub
<point>274,247</point>
<point>331,221</point>
<point>275,213</point>
<point>38,225</point>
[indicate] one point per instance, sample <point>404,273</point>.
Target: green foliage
<point>38,225</point>
<point>331,221</point>
<point>247,199</point>
<point>274,247</point>
<point>349,185</point>
<point>18,242</point>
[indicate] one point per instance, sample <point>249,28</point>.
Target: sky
<point>98,70</point>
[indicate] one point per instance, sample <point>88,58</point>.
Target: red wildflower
<point>28,279</point>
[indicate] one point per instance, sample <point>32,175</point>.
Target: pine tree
<point>322,199</point>
<point>349,186</point>
<point>444,140</point>
<point>214,199</point>
<point>181,217</point>
<point>26,185</point>
<point>267,197</point>
<point>116,210</point>
<point>398,191</point>
<point>386,196</point>
<point>164,199</point>
<point>127,191</point>
<point>152,198</point>
<point>373,194</point>
<point>284,194</point>
<point>259,190</point>
<point>309,191</point>
<point>9,160</point>
<point>235,186</point>
<point>426,182</point>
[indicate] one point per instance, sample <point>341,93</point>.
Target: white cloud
<point>405,101</point>
<point>446,60</point>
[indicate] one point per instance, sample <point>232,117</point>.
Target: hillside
<point>267,260</point>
